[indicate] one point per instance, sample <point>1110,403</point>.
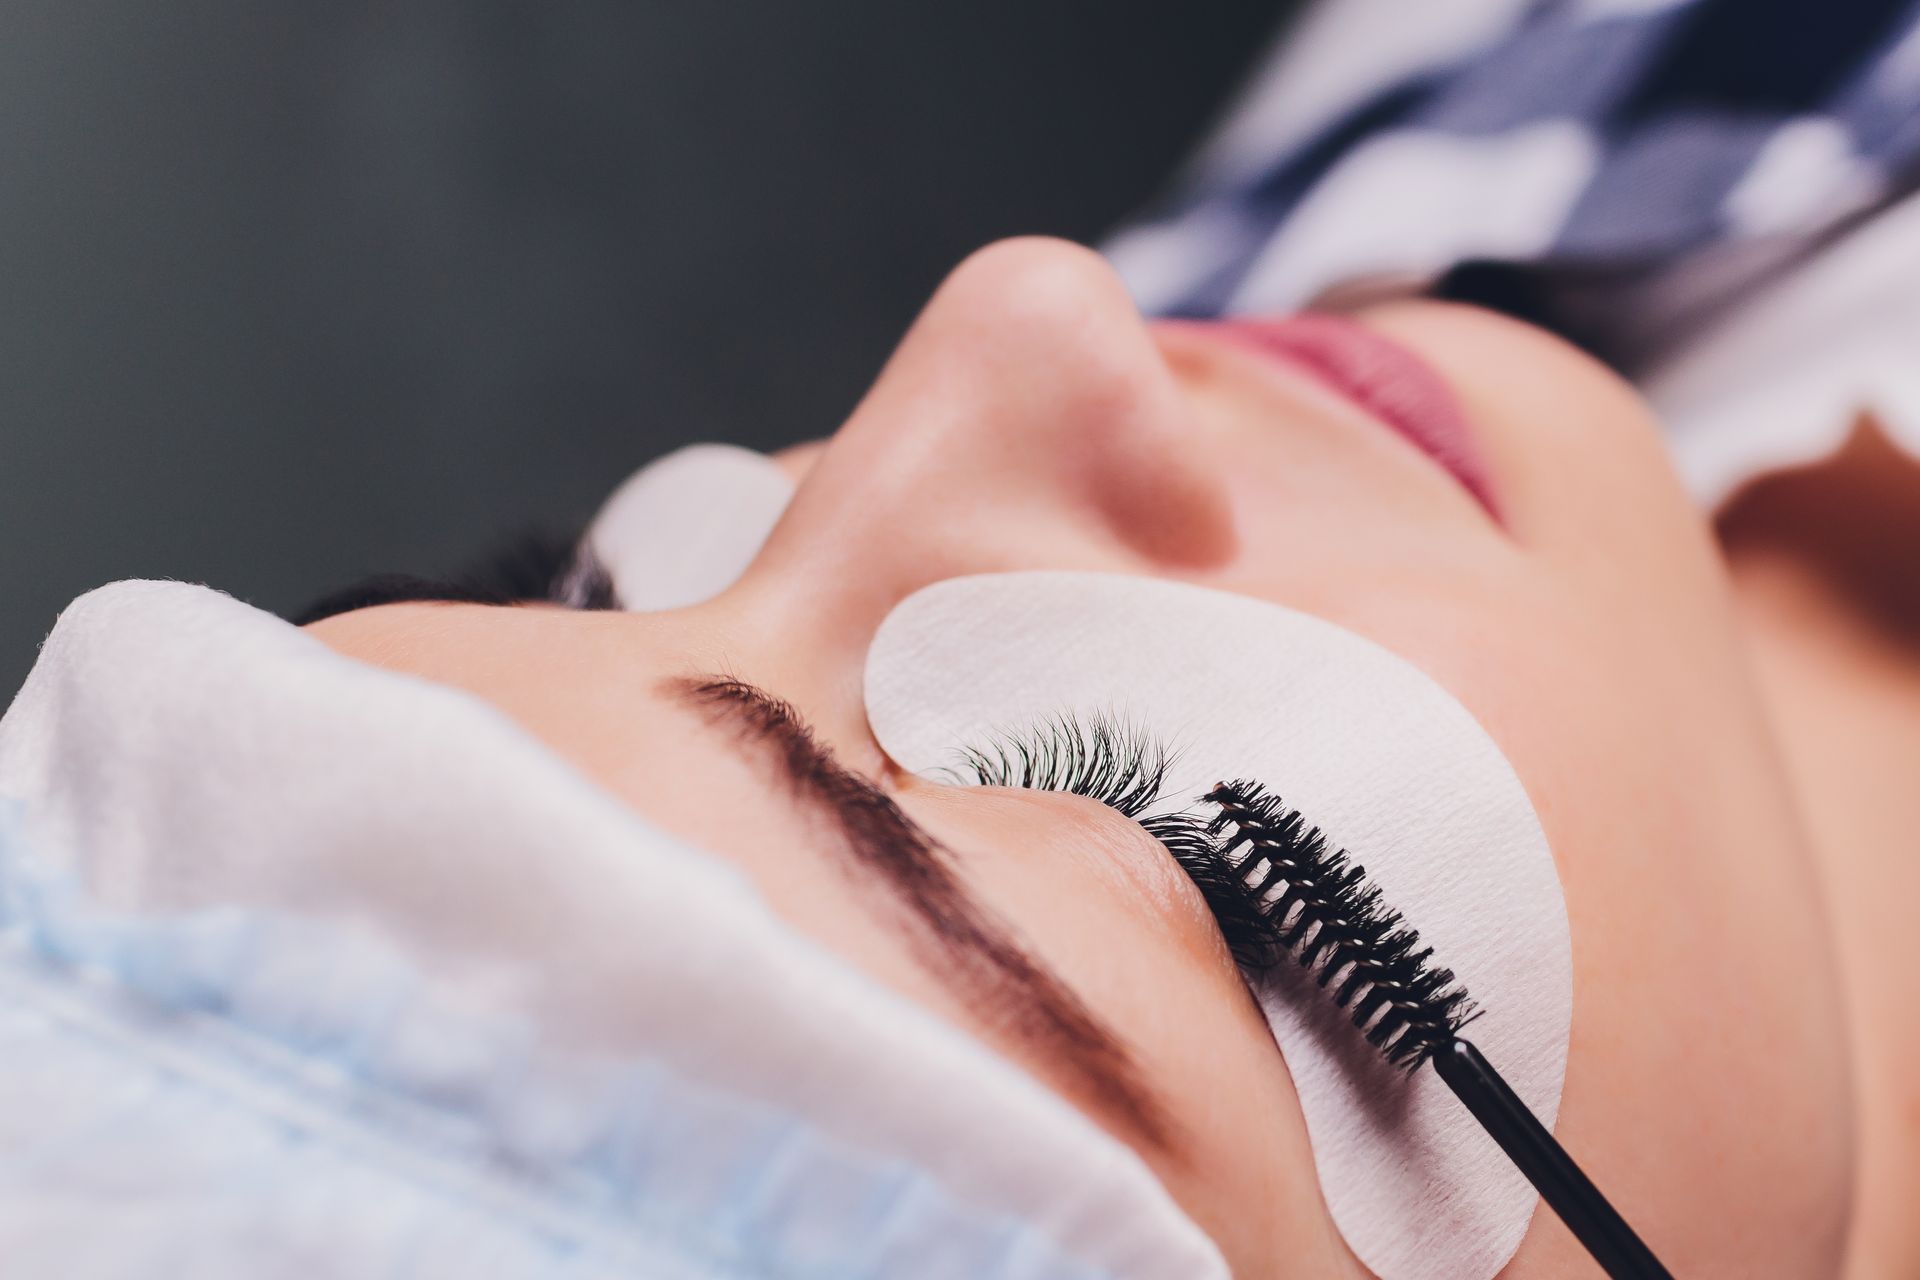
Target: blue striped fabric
<point>1620,171</point>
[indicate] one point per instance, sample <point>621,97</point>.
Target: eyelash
<point>1125,768</point>
<point>531,567</point>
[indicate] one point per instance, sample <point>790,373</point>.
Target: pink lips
<point>1381,377</point>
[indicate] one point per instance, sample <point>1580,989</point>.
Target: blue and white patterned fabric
<point>1633,174</point>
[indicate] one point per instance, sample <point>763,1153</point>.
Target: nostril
<point>1027,419</point>
<point>1178,515</point>
<point>1065,373</point>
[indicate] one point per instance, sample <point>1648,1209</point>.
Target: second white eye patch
<point>683,528</point>
<point>1371,750</point>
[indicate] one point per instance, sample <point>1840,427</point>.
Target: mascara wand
<point>1318,907</point>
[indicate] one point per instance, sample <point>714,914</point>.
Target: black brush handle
<point>1547,1165</point>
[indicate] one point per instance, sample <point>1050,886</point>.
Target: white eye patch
<point>1369,749</point>
<point>683,528</point>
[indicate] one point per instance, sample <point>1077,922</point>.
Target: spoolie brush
<point>1319,908</point>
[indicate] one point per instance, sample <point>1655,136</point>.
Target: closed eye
<point>530,569</point>
<point>1125,768</point>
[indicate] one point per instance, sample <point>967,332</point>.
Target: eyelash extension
<point>531,567</point>
<point>1125,768</point>
<point>1101,758</point>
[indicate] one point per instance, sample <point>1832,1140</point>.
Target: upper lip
<point>1379,376</point>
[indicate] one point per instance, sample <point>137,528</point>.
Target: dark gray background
<point>290,293</point>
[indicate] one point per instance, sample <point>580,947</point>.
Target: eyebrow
<point>961,942</point>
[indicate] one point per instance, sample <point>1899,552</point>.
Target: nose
<point>1027,420</point>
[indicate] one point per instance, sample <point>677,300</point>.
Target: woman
<point>1713,756</point>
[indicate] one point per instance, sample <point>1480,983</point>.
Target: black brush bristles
<point>1320,908</point>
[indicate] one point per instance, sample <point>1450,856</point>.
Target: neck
<point>1821,563</point>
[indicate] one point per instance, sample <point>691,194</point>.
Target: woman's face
<point>1030,419</point>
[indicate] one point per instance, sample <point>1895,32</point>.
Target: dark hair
<point>532,566</point>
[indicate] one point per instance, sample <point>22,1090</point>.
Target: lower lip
<point>1382,378</point>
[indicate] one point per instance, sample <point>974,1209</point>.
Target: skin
<point>1031,419</point>
<point>1821,560</point>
